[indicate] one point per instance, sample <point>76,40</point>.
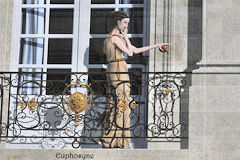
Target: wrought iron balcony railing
<point>65,110</point>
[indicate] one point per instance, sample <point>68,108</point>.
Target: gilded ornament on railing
<point>31,105</point>
<point>23,105</point>
<point>78,101</point>
<point>167,90</point>
<point>77,104</point>
<point>123,105</point>
<point>133,105</point>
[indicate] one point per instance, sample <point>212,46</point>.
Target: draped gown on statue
<point>116,121</point>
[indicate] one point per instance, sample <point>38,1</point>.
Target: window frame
<point>80,37</point>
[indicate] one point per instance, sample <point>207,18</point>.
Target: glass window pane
<point>103,1</point>
<point>96,55</point>
<point>57,80</point>
<point>61,21</point>
<point>34,1</point>
<point>59,51</point>
<point>33,21</point>
<point>137,42</point>
<point>62,1</point>
<point>30,83</point>
<point>138,58</point>
<point>136,81</point>
<point>131,1</point>
<point>31,51</point>
<point>136,20</point>
<point>100,21</point>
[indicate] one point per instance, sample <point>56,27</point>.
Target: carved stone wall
<point>169,23</point>
<point>214,96</point>
<point>6,16</point>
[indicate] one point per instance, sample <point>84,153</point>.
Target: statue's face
<point>123,24</point>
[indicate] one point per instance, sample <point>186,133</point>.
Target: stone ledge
<point>99,154</point>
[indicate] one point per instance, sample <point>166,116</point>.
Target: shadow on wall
<point>194,55</point>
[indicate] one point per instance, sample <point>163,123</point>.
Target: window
<point>47,39</point>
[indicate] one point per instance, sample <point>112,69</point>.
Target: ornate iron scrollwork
<point>72,114</point>
<point>166,93</point>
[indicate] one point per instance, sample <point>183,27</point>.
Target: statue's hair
<point>119,15</point>
<point>114,17</point>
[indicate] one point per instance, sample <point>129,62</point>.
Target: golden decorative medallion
<point>77,102</point>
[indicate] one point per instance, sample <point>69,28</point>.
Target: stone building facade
<point>206,37</point>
